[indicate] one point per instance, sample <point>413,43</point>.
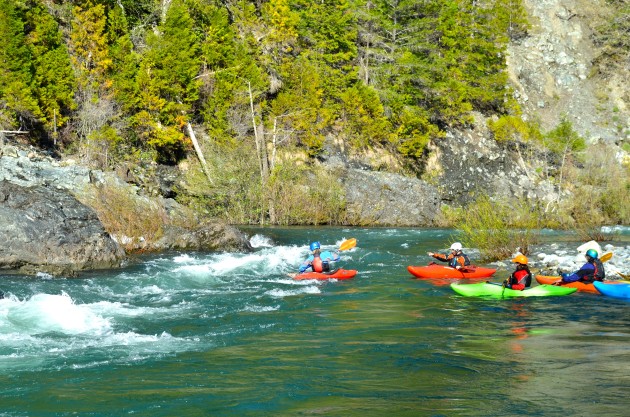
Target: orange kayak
<point>336,274</point>
<point>581,286</point>
<point>441,271</point>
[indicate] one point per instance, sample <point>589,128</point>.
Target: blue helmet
<point>592,253</point>
<point>315,245</point>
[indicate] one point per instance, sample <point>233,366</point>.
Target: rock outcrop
<point>386,199</point>
<point>45,229</point>
<point>466,163</point>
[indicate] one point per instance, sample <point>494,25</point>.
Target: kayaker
<point>319,261</point>
<point>456,259</point>
<point>592,270</point>
<point>521,278</point>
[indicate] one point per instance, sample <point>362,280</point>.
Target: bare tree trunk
<point>165,6</point>
<point>261,149</point>
<point>193,138</point>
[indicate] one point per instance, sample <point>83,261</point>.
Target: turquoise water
<point>197,334</point>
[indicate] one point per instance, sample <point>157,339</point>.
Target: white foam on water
<point>261,309</point>
<point>278,293</point>
<point>44,313</point>
<point>260,241</point>
<point>263,262</point>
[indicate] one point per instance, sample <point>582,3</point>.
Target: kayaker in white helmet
<point>456,259</point>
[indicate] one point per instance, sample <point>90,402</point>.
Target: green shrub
<point>563,138</point>
<point>510,128</point>
<point>300,195</point>
<point>497,228</point>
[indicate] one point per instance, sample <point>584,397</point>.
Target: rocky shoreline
<point>46,228</point>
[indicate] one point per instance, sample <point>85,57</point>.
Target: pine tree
<point>125,60</point>
<point>168,84</point>
<point>53,77</point>
<point>16,67</point>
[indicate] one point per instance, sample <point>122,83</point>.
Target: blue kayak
<point>616,290</point>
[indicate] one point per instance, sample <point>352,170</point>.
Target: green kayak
<point>486,289</point>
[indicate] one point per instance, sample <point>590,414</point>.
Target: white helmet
<point>456,246</point>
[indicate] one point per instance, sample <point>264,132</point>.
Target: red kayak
<point>336,274</point>
<point>441,271</point>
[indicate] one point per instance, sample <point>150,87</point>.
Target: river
<point>202,334</point>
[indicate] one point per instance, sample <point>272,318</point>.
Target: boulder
<point>46,229</point>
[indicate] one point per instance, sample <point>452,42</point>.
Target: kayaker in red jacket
<point>521,277</point>
<point>456,259</point>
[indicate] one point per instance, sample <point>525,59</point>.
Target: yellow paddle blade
<point>606,257</point>
<point>348,244</point>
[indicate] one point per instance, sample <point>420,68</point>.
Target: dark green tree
<point>168,85</point>
<point>53,77</point>
<point>17,100</point>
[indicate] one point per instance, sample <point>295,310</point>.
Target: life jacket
<point>455,260</point>
<point>598,272</point>
<point>524,278</point>
<point>317,264</point>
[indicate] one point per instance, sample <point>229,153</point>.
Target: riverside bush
<point>294,193</point>
<point>600,194</point>
<point>303,196</point>
<point>497,228</point>
<point>133,220</point>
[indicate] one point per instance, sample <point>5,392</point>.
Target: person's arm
<point>438,256</point>
<point>576,276</point>
<point>587,270</point>
<point>306,264</point>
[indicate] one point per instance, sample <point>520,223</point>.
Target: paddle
<point>348,244</point>
<point>606,257</point>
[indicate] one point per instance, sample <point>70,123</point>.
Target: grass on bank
<point>497,228</point>
<point>134,221</point>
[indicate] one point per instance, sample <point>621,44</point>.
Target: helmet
<point>592,253</point>
<point>520,259</point>
<point>315,245</point>
<point>456,246</point>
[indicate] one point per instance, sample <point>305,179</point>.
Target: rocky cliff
<point>555,72</point>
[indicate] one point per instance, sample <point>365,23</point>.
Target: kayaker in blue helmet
<point>456,259</point>
<point>592,270</point>
<point>319,261</point>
